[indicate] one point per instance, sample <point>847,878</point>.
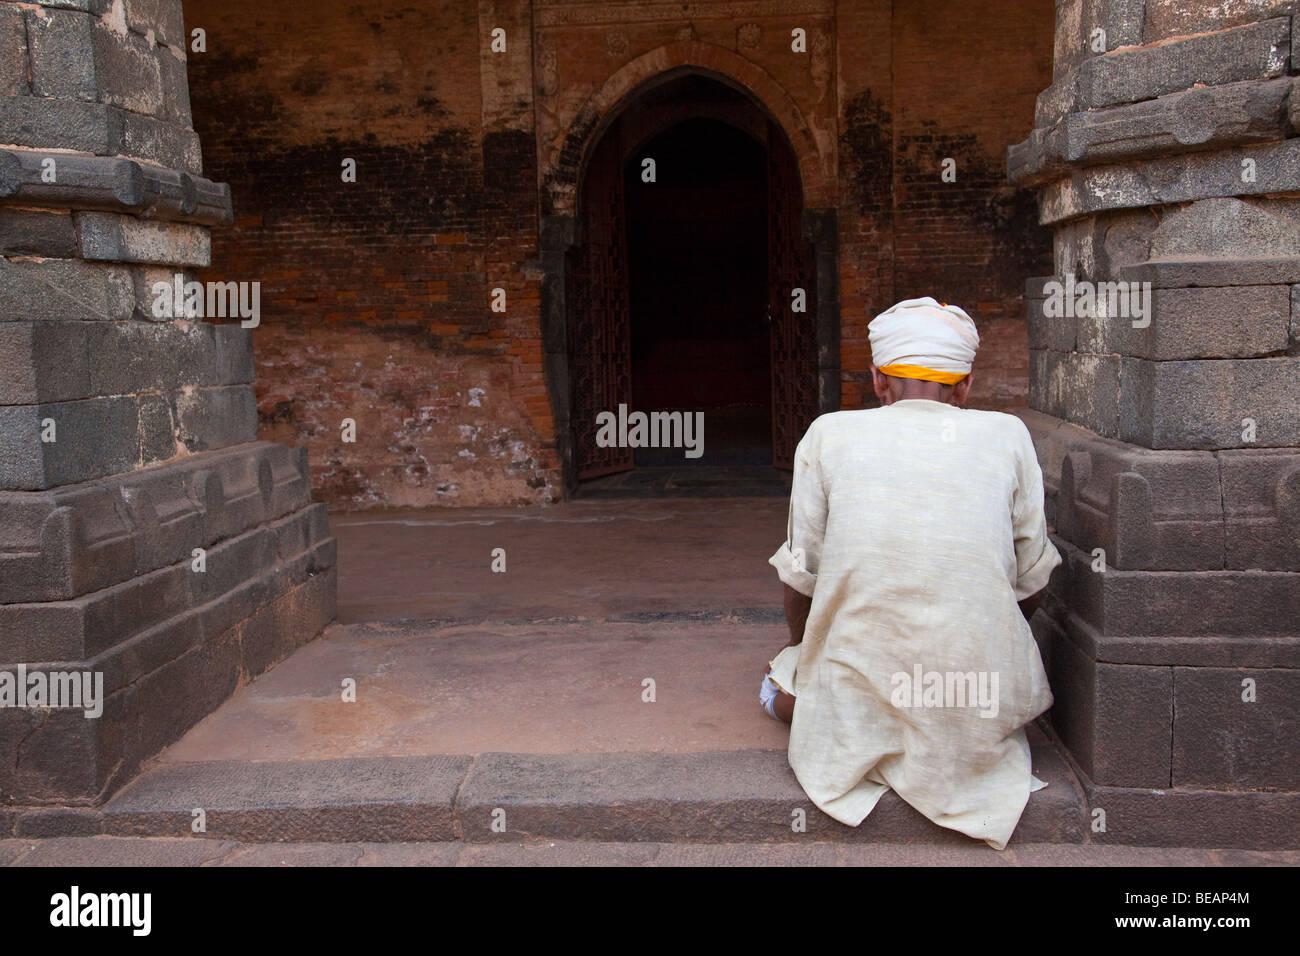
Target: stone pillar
<point>1166,157</point>
<point>146,536</point>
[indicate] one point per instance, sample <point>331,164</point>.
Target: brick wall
<point>376,294</point>
<point>944,79</point>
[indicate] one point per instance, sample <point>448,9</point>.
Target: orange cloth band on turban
<point>923,373</point>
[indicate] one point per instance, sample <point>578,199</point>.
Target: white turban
<point>924,339</point>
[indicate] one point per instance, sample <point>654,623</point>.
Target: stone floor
<point>556,687</point>
<point>690,481</point>
<point>462,673</point>
<point>581,559</point>
<point>156,851</point>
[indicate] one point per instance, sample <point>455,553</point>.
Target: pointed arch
<point>663,64</point>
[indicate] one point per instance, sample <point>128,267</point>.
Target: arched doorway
<point>692,292</point>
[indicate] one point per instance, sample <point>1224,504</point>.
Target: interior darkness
<point>697,254</point>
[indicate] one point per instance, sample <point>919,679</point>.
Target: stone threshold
<point>741,796</point>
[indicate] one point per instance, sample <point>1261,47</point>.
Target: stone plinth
<point>1168,424</point>
<point>146,536</point>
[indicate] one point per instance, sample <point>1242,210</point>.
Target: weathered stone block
<point>40,632</point>
<point>234,354</point>
<point>127,71</point>
<point>157,141</point>
<point>291,620</point>
<point>163,17</point>
<point>1174,18</point>
<point>1252,51</point>
<point>292,483</point>
<point>97,7</point>
<point>1205,404</point>
<point>209,418</point>
<point>157,429</point>
<point>150,649</point>
<point>39,122</point>
<point>110,183</point>
<point>110,237</point>
<point>53,822</point>
<point>61,58</point>
<point>1079,387</point>
<point>233,563</point>
<point>1155,510</point>
<point>1186,272</point>
<point>227,609</point>
<point>84,544</point>
<point>1120,23</point>
<point>1224,742</point>
<point>1235,322</point>
<point>1207,818</point>
<point>1261,504</point>
<point>115,614</point>
<point>43,362</point>
<point>93,438</point>
<point>48,757</point>
<point>161,706</point>
<point>1123,22</point>
<point>13,52</point>
<point>1248,112</point>
<point>1205,604</point>
<point>36,536</point>
<point>1228,228</point>
<point>63,290</point>
<point>1293,331</point>
<point>175,107</point>
<point>299,531</point>
<point>150,356</point>
<point>1175,179</point>
<point>28,232</point>
<point>381,798</point>
<point>1098,705</point>
<point>1056,333</point>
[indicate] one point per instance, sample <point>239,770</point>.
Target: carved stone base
<point>105,577</point>
<point>1171,633</point>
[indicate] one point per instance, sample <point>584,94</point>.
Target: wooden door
<point>600,334</point>
<point>794,334</point>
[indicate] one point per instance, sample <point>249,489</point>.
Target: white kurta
<point>915,528</point>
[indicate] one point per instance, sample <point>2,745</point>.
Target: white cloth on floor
<point>767,693</point>
<point>915,528</point>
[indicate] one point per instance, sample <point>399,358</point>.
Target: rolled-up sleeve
<point>799,556</point>
<point>1036,556</point>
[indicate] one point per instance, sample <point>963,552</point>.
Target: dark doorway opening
<point>692,295</point>
<point>697,290</point>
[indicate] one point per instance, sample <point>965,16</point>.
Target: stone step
<point>711,797</point>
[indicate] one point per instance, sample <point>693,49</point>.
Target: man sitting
<point>916,550</point>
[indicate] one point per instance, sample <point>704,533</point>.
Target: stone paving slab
<point>387,799</point>
<point>548,687</point>
<point>586,558</point>
<point>709,797</point>
<point>720,796</point>
<point>106,851</point>
<point>342,854</point>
